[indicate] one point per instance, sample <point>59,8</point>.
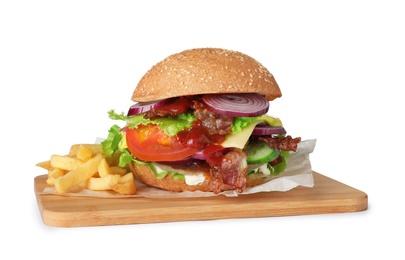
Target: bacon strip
<point>286,143</point>
<point>228,171</point>
<point>214,123</point>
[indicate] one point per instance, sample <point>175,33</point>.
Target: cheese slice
<point>240,139</point>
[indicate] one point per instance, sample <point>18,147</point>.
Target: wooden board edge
<point>356,203</point>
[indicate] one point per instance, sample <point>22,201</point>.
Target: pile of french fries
<point>86,166</point>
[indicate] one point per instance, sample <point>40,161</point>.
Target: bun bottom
<point>143,173</point>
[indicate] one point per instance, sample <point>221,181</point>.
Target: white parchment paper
<point>297,173</point>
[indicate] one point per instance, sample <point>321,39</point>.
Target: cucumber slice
<point>260,152</point>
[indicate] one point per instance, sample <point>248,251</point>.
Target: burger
<point>200,122</point>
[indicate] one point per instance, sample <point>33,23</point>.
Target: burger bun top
<point>205,71</point>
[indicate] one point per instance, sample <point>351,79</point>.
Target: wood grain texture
<point>327,196</point>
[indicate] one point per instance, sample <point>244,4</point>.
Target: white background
<point>340,65</point>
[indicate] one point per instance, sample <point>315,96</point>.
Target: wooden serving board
<point>327,196</point>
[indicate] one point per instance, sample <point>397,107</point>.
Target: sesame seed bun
<point>204,71</point>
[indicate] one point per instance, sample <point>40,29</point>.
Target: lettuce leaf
<point>281,166</point>
<point>111,144</point>
<point>241,122</point>
<point>170,125</point>
<point>161,174</point>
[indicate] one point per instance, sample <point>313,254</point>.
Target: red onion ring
<point>143,107</point>
<point>199,155</point>
<point>262,129</point>
<point>243,104</point>
<point>202,155</point>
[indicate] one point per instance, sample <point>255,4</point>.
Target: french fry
<point>126,185</point>
<point>96,148</point>
<point>54,174</point>
<point>79,175</point>
<point>103,168</point>
<point>114,159</point>
<point>129,177</point>
<point>65,162</point>
<point>87,167</point>
<point>84,153</point>
<point>118,170</point>
<point>46,165</point>
<point>103,183</point>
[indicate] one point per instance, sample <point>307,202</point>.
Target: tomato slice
<point>149,143</point>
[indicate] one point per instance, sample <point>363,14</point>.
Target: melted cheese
<point>240,139</point>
